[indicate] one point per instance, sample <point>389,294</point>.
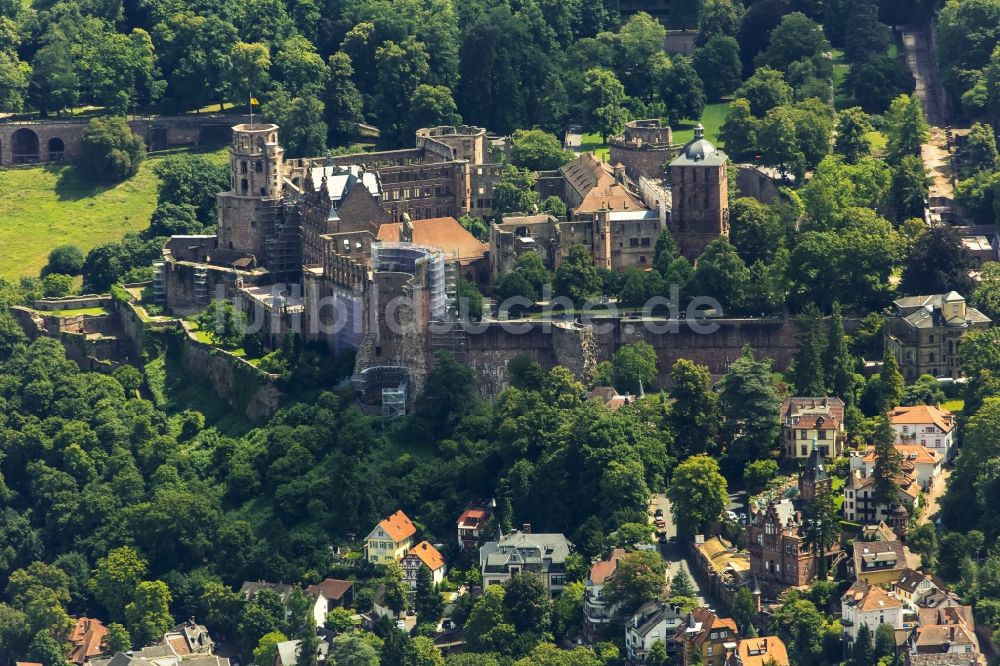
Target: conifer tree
<point>807,371</point>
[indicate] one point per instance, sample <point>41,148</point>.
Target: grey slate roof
<point>651,614</point>
<point>519,547</point>
<point>699,151</point>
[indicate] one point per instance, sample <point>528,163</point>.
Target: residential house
<point>250,589</point>
<point>287,653</point>
<point>723,567</point>
<point>423,555</point>
<point>596,612</point>
<point>189,638</point>
<point>913,586</point>
<point>878,562</point>
<point>521,551</point>
<point>159,657</point>
<point>470,526</point>
<point>942,660</point>
<point>860,505</point>
<point>925,425</point>
<point>950,630</point>
<point>391,539</point>
<point>808,423</point>
<point>187,644</point>
<point>329,594</point>
<point>655,621</point>
<point>918,462</point>
<point>924,333</point>
<point>868,605</point>
<point>779,556</point>
<point>759,651</point>
<point>380,608</point>
<point>707,636</point>
<point>86,636</point>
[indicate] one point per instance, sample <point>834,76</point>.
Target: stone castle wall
<point>580,350</point>
<point>159,133</point>
<point>752,182</point>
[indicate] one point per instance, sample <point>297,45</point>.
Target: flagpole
<point>251,111</point>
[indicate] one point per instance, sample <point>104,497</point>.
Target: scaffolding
<point>160,282</point>
<point>407,258</point>
<point>385,386</point>
<point>283,244</point>
<point>201,296</point>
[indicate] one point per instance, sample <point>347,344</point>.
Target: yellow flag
<point>254,102</point>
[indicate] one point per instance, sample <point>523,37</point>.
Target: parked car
<point>732,517</point>
<point>658,513</point>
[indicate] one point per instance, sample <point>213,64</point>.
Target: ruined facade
<point>644,147</point>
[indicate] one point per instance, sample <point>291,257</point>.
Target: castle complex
<point>364,251</point>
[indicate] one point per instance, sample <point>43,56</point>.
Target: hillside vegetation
<point>46,206</point>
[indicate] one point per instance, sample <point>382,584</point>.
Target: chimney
<point>526,528</point>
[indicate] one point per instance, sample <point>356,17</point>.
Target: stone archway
<point>24,146</point>
<point>56,149</point>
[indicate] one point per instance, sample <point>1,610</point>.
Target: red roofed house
<point>596,612</point>
<point>470,527</point>
<point>760,651</point>
<point>869,605</point>
<point>423,555</point>
<point>812,421</point>
<point>919,462</point>
<point>86,637</point>
<point>927,426</point>
<point>391,539</point>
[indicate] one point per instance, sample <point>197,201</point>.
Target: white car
<point>732,517</point>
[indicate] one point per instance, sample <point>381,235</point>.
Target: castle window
<point>642,259</point>
<point>258,167</point>
<point>633,242</point>
<point>645,242</point>
<point>244,186</point>
<point>243,167</point>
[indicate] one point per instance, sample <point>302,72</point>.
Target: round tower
<point>255,161</point>
<point>246,212</point>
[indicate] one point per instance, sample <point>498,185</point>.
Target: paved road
<point>673,554</point>
<point>933,498</point>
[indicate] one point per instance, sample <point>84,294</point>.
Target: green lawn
<point>45,206</point>
<point>78,311</point>
<point>954,406</point>
<point>592,143</point>
<point>712,118</point>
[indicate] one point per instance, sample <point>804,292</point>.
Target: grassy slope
<point>45,206</point>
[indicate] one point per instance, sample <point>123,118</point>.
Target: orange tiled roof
<point>914,453</point>
<point>475,518</point>
<point>86,637</point>
<point>600,571</point>
<point>441,233</point>
<point>398,526</point>
<point>920,414</point>
<point>428,554</point>
<point>867,597</point>
<point>762,650</point>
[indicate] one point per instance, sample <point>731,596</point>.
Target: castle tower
<point>700,189</point>
<point>247,212</point>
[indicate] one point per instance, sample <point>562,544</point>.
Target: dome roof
<point>700,151</point>
<point>699,148</point>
